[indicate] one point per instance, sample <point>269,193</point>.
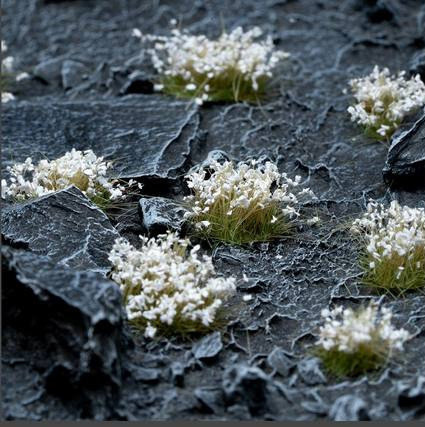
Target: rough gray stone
<point>73,73</point>
<point>310,372</point>
<point>159,214</point>
<point>417,64</point>
<point>77,316</point>
<point>208,347</point>
<point>49,70</point>
<point>137,82</point>
<point>412,397</point>
<point>248,385</point>
<point>349,408</point>
<point>64,226</point>
<point>280,362</point>
<point>145,136</point>
<point>406,157</point>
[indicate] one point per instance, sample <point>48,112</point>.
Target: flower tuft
<point>80,168</point>
<point>234,67</point>
<point>394,241</point>
<point>352,342</point>
<point>384,100</point>
<point>243,203</point>
<point>167,287</point>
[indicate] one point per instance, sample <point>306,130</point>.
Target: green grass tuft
<point>340,364</point>
<point>229,86</point>
<point>243,226</point>
<point>386,277</point>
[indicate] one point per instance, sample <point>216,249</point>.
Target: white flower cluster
<point>166,283</point>
<point>190,57</point>
<point>246,187</point>
<point>392,233</point>
<point>383,100</point>
<point>347,330</point>
<point>6,67</point>
<point>80,168</point>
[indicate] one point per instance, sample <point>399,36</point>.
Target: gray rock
<point>310,372</point>
<point>280,362</point>
<point>148,375</point>
<point>73,73</point>
<point>159,214</point>
<point>349,408</point>
<point>177,370</point>
<point>64,226</point>
<point>137,82</point>
<point>412,396</point>
<point>213,156</point>
<point>417,63</point>
<point>49,70</point>
<point>145,136</point>
<point>211,397</point>
<point>208,347</point>
<point>77,316</point>
<point>248,385</point>
<point>405,163</point>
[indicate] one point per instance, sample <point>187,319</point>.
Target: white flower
<point>197,58</point>
<point>136,33</point>
<point>80,168</point>
<point>384,100</point>
<point>346,330</point>
<point>6,97</point>
<point>394,233</point>
<point>164,281</point>
<point>245,188</point>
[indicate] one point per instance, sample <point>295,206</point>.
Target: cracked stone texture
<point>406,155</point>
<point>63,226</point>
<point>261,366</point>
<point>148,137</point>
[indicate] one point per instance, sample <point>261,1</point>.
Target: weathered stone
<point>310,372</point>
<point>159,214</point>
<point>406,157</point>
<point>412,397</point>
<point>64,226</point>
<point>211,397</point>
<point>248,385</point>
<point>145,136</point>
<point>417,64</point>
<point>73,73</point>
<point>137,82</point>
<point>208,347</point>
<point>49,70</point>
<point>77,316</point>
<point>349,408</point>
<point>280,362</point>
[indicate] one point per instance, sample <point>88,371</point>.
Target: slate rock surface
<point>406,156</point>
<point>63,226</point>
<point>77,316</point>
<point>303,126</point>
<point>148,137</point>
<point>159,214</point>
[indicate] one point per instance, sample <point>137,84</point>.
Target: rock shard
<point>145,136</point>
<point>406,156</point>
<point>63,226</point>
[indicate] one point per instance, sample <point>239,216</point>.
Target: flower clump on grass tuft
<point>80,168</point>
<point>234,67</point>
<point>167,288</point>
<point>243,203</point>
<point>394,255</point>
<point>353,342</point>
<point>384,100</point>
